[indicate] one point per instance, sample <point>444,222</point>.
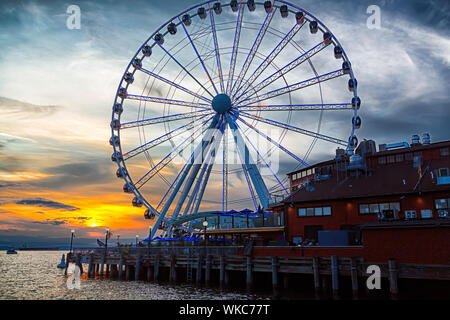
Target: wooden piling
<point>173,270</point>
<point>198,276</point>
<point>208,270</point>
<point>127,272</point>
<point>120,267</point>
<point>91,265</point>
<point>275,274</point>
<point>137,270</point>
<point>393,277</point>
<point>335,275</point>
<point>249,278</point>
<point>156,268</point>
<point>149,272</point>
<point>354,275</point>
<point>316,272</point>
<point>222,270</point>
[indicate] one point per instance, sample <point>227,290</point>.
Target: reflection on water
<point>33,275</point>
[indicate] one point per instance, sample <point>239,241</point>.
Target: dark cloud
<point>76,174</point>
<point>39,202</point>
<point>54,222</point>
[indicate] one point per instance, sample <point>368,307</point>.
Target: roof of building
<point>384,180</point>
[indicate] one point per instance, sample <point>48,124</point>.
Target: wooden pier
<point>214,265</point>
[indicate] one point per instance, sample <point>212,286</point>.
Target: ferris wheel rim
<point>122,165</point>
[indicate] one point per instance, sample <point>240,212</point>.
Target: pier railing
<point>167,250</point>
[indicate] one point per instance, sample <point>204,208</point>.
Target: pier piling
<point>156,268</point>
<point>208,270</point>
<point>120,267</point>
<point>249,279</point>
<point>222,270</point>
<point>138,267</point>
<point>393,277</point>
<point>316,273</point>
<point>275,274</point>
<point>198,276</point>
<point>335,275</point>
<point>354,276</point>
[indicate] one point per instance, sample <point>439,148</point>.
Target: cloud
<point>39,202</point>
<point>54,222</point>
<point>11,107</point>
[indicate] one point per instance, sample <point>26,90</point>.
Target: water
<point>33,275</point>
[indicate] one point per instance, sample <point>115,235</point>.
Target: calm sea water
<point>33,275</point>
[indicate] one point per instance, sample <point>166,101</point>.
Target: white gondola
<point>129,78</point>
<point>346,67</point>
<point>118,109</point>
<point>201,13</point>
<point>267,6</point>
<point>358,103</point>
<point>116,156</point>
<point>284,11</point>
<point>159,38</point>
<point>234,5</point>
<point>187,20</point>
<point>357,122</point>
<point>251,5</point>
<point>352,84</point>
<point>136,202</point>
<point>114,140</point>
<point>338,52</point>
<point>147,51</point>
<point>172,28</point>
<point>126,188</point>
<point>217,8</point>
<point>313,26</point>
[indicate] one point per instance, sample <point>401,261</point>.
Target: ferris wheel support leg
<point>257,180</point>
<point>180,182</point>
<point>194,172</point>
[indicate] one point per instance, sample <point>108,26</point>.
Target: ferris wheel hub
<point>221,103</point>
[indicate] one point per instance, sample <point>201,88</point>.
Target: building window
<point>364,209</point>
<point>381,160</point>
<point>444,152</point>
<point>391,159</point>
<point>375,208</point>
<point>408,156</point>
<point>442,207</point>
<point>314,212</point>
<point>426,214</point>
<point>399,157</point>
<point>443,172</point>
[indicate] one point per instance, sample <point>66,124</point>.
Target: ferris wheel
<point>224,99</point>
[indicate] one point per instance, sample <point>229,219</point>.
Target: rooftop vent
<point>415,139</point>
<point>426,138</point>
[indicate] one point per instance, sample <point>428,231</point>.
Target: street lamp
<point>71,240</point>
<point>205,225</point>
<point>137,237</point>
<point>106,239</point>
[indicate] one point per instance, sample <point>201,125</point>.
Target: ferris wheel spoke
<point>254,49</point>
<point>173,117</point>
<point>294,87</point>
<point>216,46</point>
<point>173,84</point>
<point>185,70</point>
<point>295,129</point>
<point>237,35</point>
<point>262,158</point>
<point>272,141</point>
<point>168,101</point>
<point>151,144</point>
<point>200,59</point>
<point>268,60</point>
<point>296,107</point>
<point>257,180</point>
<point>284,70</point>
<point>166,160</point>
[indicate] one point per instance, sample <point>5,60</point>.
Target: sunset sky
<point>57,87</point>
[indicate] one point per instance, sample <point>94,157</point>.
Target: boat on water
<point>11,251</point>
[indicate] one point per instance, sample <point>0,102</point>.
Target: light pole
<point>137,237</point>
<point>205,225</point>
<point>71,240</point>
<point>106,239</point>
